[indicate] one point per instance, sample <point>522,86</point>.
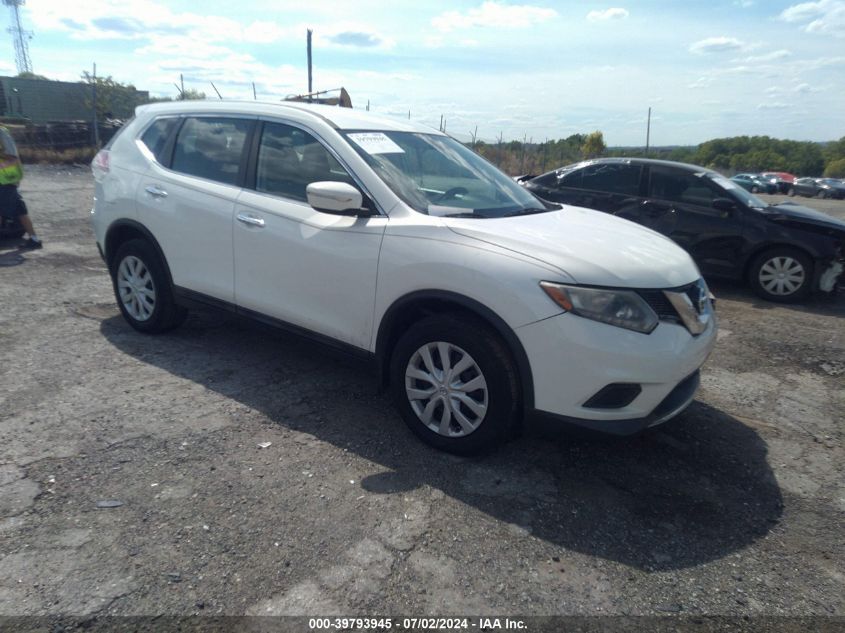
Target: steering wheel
<point>451,193</point>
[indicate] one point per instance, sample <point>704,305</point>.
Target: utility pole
<point>94,100</point>
<point>20,35</point>
<point>182,83</point>
<point>648,131</point>
<point>310,83</point>
<point>254,95</point>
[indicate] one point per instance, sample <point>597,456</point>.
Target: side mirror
<point>724,204</point>
<point>335,197</point>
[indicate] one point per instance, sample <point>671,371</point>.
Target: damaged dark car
<point>782,251</point>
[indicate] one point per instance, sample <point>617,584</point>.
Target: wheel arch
<point>411,307</point>
<point>122,231</point>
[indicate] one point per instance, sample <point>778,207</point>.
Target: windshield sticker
<point>376,143</point>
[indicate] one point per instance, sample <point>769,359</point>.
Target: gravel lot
<point>735,508</point>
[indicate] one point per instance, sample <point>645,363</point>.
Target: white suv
<point>479,303</point>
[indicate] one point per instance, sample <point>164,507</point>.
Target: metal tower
<point>20,36</point>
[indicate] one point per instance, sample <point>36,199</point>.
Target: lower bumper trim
<point>673,404</point>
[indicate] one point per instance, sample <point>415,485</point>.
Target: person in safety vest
<point>11,203</point>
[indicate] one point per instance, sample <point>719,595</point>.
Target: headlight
<point>622,308</point>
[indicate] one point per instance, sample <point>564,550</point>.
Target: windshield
<point>436,175</point>
<point>749,200</point>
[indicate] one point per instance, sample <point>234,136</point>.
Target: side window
<point>156,136</point>
<point>612,178</point>
<point>211,147</point>
<point>680,186</point>
<point>289,159</point>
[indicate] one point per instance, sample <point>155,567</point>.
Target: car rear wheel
<point>455,384</point>
<point>821,193</point>
<point>790,192</point>
<point>781,274</point>
<point>143,290</point>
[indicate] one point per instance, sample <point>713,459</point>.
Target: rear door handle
<point>250,219</point>
<point>155,190</point>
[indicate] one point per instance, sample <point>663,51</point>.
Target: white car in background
<point>480,304</point>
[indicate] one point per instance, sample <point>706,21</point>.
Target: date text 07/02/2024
<point>413,624</point>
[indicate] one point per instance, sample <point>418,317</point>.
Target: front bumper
<point>673,404</point>
<point>573,358</point>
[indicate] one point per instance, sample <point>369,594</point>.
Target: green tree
<point>192,94</point>
<point>835,169</point>
<point>28,75</point>
<point>114,99</point>
<point>593,145</point>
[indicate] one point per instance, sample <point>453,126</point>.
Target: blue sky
<point>521,69</point>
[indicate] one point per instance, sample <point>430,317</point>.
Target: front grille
<point>663,307</point>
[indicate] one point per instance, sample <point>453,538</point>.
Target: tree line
<point>727,155</point>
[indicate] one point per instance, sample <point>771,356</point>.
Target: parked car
<point>832,188</point>
<point>783,251</point>
<point>479,303</point>
<point>783,179</point>
<point>754,183</point>
<point>808,187</point>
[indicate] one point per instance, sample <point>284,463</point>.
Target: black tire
<point>790,192</point>
<point>754,189</point>
<point>166,314</point>
<point>493,361</point>
<point>779,257</point>
<point>821,193</point>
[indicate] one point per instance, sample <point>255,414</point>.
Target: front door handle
<point>156,191</point>
<point>250,219</point>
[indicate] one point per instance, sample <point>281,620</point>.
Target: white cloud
<point>716,45</point>
<point>615,13</point>
<point>493,15</point>
<point>825,16</point>
<point>768,57</point>
<point>773,105</point>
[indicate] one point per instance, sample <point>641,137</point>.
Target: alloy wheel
<point>446,389</point>
<point>136,288</point>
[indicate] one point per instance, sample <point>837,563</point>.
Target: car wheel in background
<point>781,274</point>
<point>821,193</point>
<point>142,289</point>
<point>790,192</point>
<point>455,384</point>
<point>754,189</point>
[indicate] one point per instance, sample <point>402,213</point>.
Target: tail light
<point>100,164</point>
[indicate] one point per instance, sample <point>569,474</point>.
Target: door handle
<point>155,190</point>
<point>250,219</point>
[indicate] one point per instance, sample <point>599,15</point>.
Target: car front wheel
<point>142,289</point>
<point>781,274</point>
<point>455,384</point>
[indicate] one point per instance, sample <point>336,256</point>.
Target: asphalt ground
<point>735,508</point>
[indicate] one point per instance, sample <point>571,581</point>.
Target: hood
<point>797,214</point>
<point>591,247</point>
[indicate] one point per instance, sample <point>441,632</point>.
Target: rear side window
<point>156,136</point>
<point>211,147</point>
<point>289,159</point>
<point>612,178</point>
